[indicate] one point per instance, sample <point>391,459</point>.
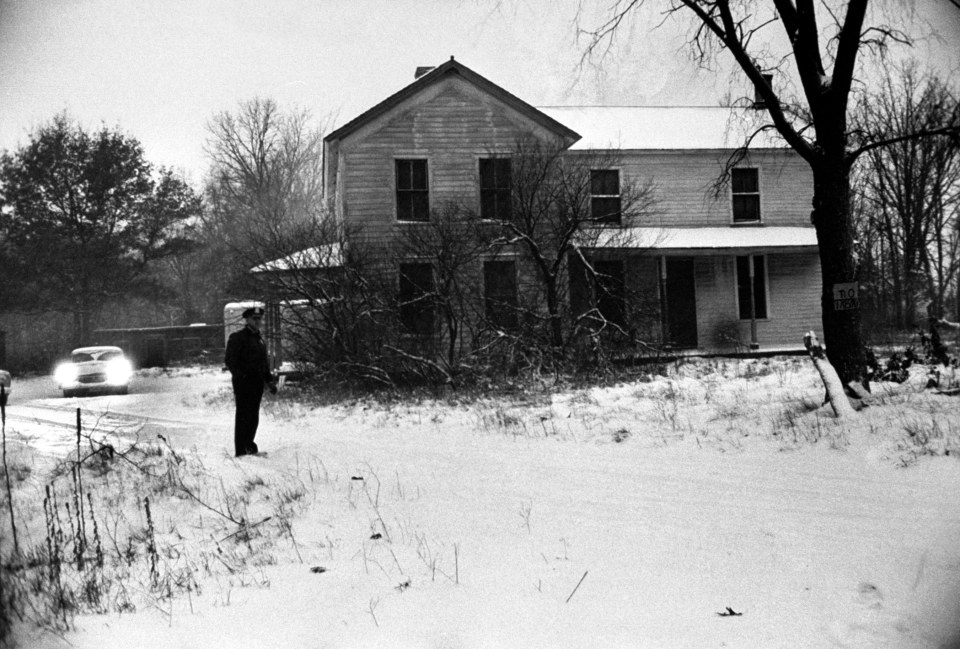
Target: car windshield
<point>86,357</point>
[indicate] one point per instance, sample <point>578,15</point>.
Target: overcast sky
<point>159,69</point>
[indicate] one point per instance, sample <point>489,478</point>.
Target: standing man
<point>246,358</point>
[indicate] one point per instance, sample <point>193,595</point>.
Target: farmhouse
<point>714,262</point>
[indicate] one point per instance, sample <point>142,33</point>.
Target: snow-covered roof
<point>325,256</point>
<point>664,127</point>
<point>705,239</point>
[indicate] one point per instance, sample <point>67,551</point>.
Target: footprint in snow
<point>870,595</point>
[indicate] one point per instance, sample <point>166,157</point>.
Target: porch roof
<point>324,256</point>
<point>710,240</point>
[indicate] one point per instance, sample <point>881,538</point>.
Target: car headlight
<point>66,373</point>
<point>118,371</point>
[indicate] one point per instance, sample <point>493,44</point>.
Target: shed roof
<point>664,127</point>
<point>324,256</point>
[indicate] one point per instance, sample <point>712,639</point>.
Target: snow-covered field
<point>624,516</point>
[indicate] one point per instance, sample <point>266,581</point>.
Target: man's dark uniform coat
<point>246,358</point>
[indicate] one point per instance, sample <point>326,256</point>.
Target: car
<point>101,369</point>
<point>6,387</point>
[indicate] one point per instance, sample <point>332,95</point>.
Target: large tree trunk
<point>842,332</point>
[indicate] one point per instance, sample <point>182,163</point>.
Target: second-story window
<point>745,187</point>
<point>495,189</point>
<point>413,196</point>
<point>605,195</point>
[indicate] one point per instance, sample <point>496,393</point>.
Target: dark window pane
<point>487,175</point>
<point>605,182</point>
<point>504,204</point>
<point>419,174</point>
<point>403,174</point>
<point>502,166</point>
<point>746,208</point>
<point>421,207</point>
<point>500,293</point>
<point>404,207</point>
<point>744,181</point>
<point>488,205</point>
<point>606,210</point>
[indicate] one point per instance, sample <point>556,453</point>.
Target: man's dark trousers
<point>248,394</point>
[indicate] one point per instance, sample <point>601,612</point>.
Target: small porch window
<point>757,288</point>
<point>605,195</point>
<point>745,188</point>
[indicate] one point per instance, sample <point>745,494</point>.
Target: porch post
<point>753,307</point>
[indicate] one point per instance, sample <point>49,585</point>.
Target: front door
<point>680,302</point>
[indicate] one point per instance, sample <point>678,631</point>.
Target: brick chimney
<point>422,70</point>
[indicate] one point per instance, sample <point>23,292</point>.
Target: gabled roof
<point>665,127</point>
<point>453,67</point>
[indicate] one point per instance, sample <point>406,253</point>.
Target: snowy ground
<point>625,516</point>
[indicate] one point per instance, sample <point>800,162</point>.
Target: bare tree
<point>336,304</point>
<point>453,242</point>
<point>265,181</point>
<point>911,191</point>
<point>823,42</point>
<point>553,219</point>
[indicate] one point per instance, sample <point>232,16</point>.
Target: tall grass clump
<point>111,536</point>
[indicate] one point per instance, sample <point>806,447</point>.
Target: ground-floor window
<point>757,289</point>
<point>500,293</point>
<point>416,298</point>
<point>609,290</point>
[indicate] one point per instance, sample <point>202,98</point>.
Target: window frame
<point>594,197</point>
<point>401,194</point>
<point>425,310</point>
<point>764,269</point>
<point>756,194</point>
<point>502,194</point>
